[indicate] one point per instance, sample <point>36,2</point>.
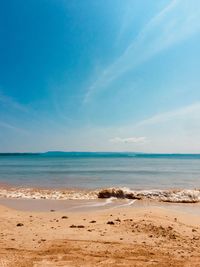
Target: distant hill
<point>76,154</point>
<point>90,154</point>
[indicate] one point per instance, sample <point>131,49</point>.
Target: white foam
<point>96,204</point>
<point>182,196</point>
<point>130,203</point>
<point>178,195</point>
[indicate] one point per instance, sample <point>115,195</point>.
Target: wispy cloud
<point>184,112</point>
<point>129,140</point>
<point>11,103</point>
<point>172,25</point>
<point>12,127</point>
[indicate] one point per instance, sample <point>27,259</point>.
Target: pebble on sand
<point>110,222</point>
<point>64,217</point>
<point>19,224</point>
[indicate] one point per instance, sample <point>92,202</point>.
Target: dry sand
<point>145,235</point>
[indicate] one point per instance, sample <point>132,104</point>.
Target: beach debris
<point>93,221</point>
<point>80,226</point>
<point>64,217</point>
<point>77,226</point>
<point>110,222</point>
<point>128,220</point>
<point>20,224</point>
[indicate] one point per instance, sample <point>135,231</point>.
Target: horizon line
<point>97,152</point>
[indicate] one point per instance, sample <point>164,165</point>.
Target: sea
<point>90,170</point>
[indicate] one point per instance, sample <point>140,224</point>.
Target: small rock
<point>110,222</point>
<point>19,224</point>
<point>80,226</point>
<point>64,217</point>
<point>77,226</point>
<point>92,221</point>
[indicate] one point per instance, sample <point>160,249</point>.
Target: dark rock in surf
<point>118,193</point>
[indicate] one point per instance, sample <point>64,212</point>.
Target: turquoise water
<point>99,170</point>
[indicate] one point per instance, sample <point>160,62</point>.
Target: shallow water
<point>90,172</point>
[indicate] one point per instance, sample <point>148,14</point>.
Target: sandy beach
<point>146,234</point>
<point>100,133</point>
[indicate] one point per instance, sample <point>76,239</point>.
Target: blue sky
<point>106,75</point>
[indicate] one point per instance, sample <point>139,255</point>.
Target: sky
<point>106,75</point>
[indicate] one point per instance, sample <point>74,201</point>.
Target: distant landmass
<point>101,154</point>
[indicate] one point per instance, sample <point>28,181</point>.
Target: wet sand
<point>144,234</point>
<point>65,205</point>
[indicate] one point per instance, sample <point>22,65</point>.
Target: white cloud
<point>175,23</point>
<point>129,140</point>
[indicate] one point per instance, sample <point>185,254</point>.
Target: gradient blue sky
<point>106,75</point>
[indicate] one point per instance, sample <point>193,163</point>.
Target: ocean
<point>100,170</point>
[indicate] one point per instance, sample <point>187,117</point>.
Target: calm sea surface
<point>99,170</point>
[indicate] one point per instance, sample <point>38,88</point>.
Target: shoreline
<point>95,205</point>
<point>168,195</point>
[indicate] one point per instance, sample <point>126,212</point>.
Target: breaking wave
<point>174,196</point>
